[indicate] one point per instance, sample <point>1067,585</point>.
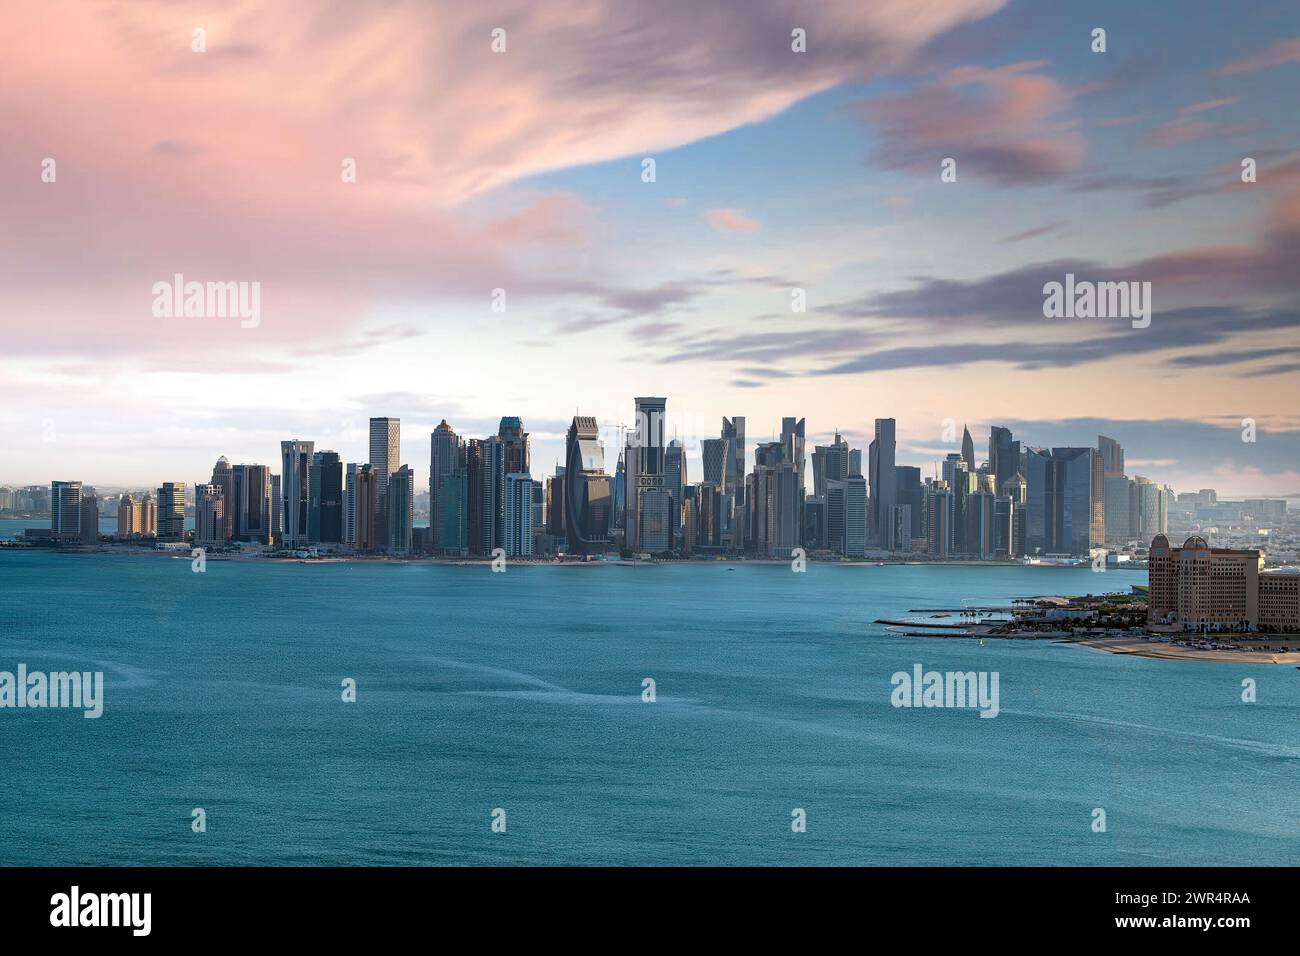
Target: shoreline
<point>1136,647</point>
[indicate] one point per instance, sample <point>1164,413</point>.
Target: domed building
<point>1202,588</point>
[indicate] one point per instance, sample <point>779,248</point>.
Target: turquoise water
<point>522,691</point>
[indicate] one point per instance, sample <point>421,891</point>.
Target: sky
<point>502,250</point>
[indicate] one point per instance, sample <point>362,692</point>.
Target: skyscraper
<point>1065,506</point>
<point>855,516</point>
<point>385,456</point>
<point>486,471</point>
<point>65,510</point>
<point>587,500</point>
<point>446,457</point>
<point>171,511</point>
<point>830,463</point>
<point>675,480</point>
<point>515,439</point>
<point>733,430</point>
<point>295,486</point>
<point>1004,457</point>
<point>1112,456</point>
<point>967,449</point>
<point>221,477</point>
<point>715,454</point>
<point>883,488</point>
<point>89,531</point>
<point>644,478</point>
<point>209,516</point>
<point>401,499</point>
<point>326,521</point>
<point>250,504</point>
<point>517,533</point>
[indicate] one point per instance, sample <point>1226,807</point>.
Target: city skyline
<point>783,179</point>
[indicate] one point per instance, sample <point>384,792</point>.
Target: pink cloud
<point>730,219</point>
<point>1284,51</point>
<point>225,165</point>
<point>1006,124</point>
<point>1210,104</point>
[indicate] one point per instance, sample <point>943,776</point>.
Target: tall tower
<point>222,478</point>
<point>884,481</point>
<point>295,487</point>
<point>385,458</point>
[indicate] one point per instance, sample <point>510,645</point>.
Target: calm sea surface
<point>522,691</point>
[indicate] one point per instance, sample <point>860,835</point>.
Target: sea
<point>673,713</point>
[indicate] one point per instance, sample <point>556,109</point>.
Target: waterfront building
<point>898,528</point>
<point>855,516</point>
<point>453,514</point>
<point>130,517</point>
<point>968,450</point>
<point>883,479</point>
<point>715,454</point>
<point>65,510</point>
<point>250,503</point>
<point>1279,600</point>
<point>733,430</point>
<point>1065,507</point>
<point>325,522</point>
<point>171,511</point>
<point>515,445</point>
<point>1121,509</point>
<point>364,524</point>
<point>939,519</point>
<point>223,478</point>
<point>295,485</point>
<point>209,516</point>
<point>385,458</point>
<point>836,490</point>
<point>1202,588</point>
<point>587,493</point>
<point>1004,457</point>
<point>277,513</point>
<point>1152,508</point>
<point>675,480</point>
<point>401,499</point>
<point>909,491</point>
<point>446,457</point>
<point>89,519</point>
<point>644,461</point>
<point>518,518</point>
<point>149,515</point>
<point>485,458</point>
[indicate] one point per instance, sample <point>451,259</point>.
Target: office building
<point>171,511</point>
<point>295,486</point>
<point>65,510</point>
<point>385,458</point>
<point>518,519</point>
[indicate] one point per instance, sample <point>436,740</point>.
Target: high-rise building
<point>1120,509</point>
<point>453,514</point>
<point>587,501</point>
<point>486,471</point>
<point>515,439</point>
<point>65,510</point>
<point>209,516</point>
<point>89,531</point>
<point>401,501</point>
<point>1112,456</point>
<point>1152,508</point>
<point>277,513</point>
<point>909,491</point>
<point>250,503</point>
<point>1004,457</point>
<point>446,457</point>
<point>897,534</point>
<point>644,477</point>
<point>326,490</point>
<point>1065,511</point>
<point>774,500</point>
<point>223,479</point>
<point>130,517</point>
<point>171,511</point>
<point>366,509</point>
<point>675,480</point>
<point>149,515</point>
<point>733,430</point>
<point>385,458</point>
<point>715,453</point>
<point>295,486</point>
<point>517,532</point>
<point>855,516</point>
<point>939,519</point>
<point>830,463</point>
<point>967,449</point>
<point>880,456</point>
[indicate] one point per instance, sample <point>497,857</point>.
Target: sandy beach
<point>1155,649</point>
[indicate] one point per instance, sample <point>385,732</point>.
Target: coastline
<point>1137,647</point>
